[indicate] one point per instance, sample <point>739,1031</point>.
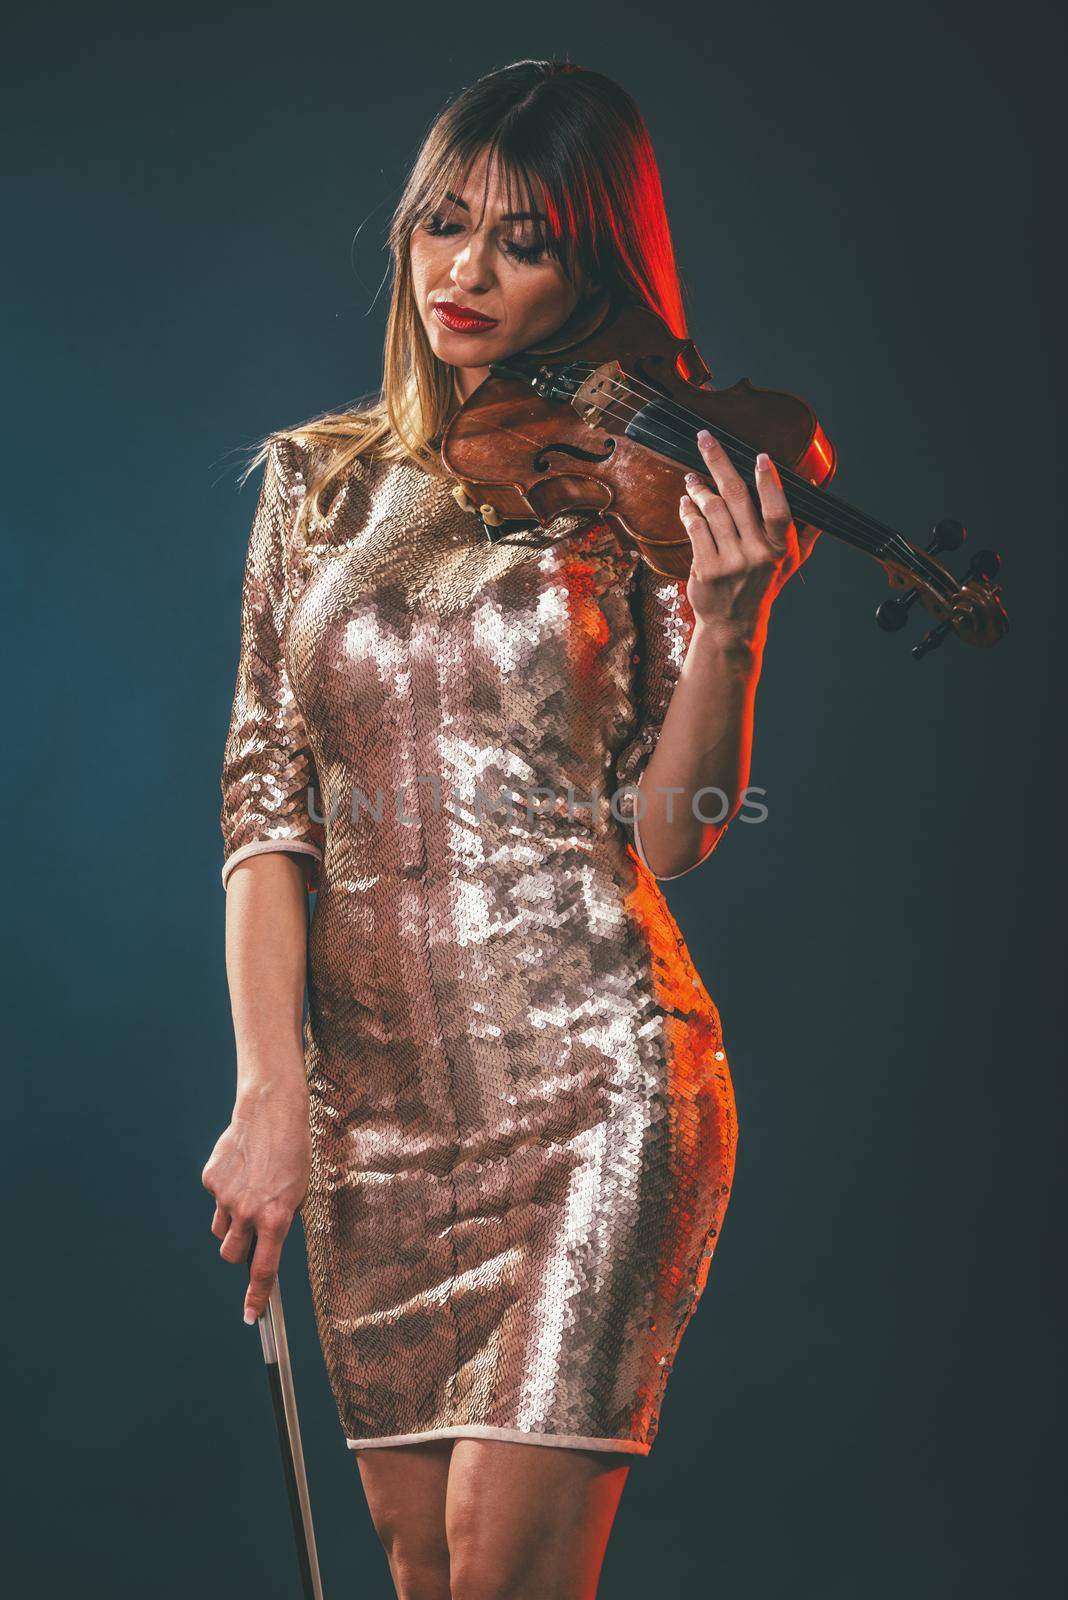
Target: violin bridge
<point>594,398</point>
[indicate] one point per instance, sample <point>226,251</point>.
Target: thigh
<point>405,1486</point>
<point>530,1519</point>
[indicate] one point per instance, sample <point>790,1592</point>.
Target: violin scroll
<point>971,608</point>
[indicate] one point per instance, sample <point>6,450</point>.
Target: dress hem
<point>474,1430</point>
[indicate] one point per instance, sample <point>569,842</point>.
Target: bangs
<point>527,185</point>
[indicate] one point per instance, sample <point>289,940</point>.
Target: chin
<point>452,351</point>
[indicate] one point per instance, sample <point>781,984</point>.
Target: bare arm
<point>705,743</point>
<point>743,553</point>
<point>259,1168</point>
<point>266,952</point>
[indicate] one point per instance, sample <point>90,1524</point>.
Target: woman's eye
<point>436,225</point>
<point>524,252</point>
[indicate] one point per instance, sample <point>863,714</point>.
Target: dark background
<point>865,1403</point>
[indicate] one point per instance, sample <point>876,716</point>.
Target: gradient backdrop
<point>864,1403</point>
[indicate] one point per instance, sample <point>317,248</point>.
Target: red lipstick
<point>461,319</point>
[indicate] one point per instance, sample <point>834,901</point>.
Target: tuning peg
<point>984,564</point>
<point>949,534</point>
<point>893,614</point>
<point>931,640</point>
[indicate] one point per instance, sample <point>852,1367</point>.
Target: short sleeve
<point>268,767</point>
<point>664,621</point>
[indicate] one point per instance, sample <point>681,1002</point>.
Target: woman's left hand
<point>742,554</point>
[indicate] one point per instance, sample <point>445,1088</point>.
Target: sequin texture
<point>522,1115</point>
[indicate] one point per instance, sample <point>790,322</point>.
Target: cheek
<point>423,262</point>
<point>541,294</point>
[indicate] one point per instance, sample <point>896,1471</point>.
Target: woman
<point>509,1124</point>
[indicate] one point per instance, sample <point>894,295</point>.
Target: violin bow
<point>275,1347</point>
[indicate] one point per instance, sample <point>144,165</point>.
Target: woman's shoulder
<point>328,444</point>
<point>311,461</point>
<point>335,468</point>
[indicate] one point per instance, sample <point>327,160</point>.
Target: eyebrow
<point>506,216</point>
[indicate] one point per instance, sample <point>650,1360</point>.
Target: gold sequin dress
<point>523,1122</point>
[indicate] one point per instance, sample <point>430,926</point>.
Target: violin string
<point>814,496</point>
<point>853,524</point>
<point>865,531</point>
<point>798,501</point>
<point>813,505</point>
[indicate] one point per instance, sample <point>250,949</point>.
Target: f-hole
<point>542,462</point>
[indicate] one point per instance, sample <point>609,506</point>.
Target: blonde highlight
<point>576,146</point>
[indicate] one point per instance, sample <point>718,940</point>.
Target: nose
<point>471,272</point>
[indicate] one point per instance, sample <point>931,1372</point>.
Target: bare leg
<point>405,1487</point>
<point>530,1521</point>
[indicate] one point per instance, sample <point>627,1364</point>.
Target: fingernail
<point>704,437</point>
<point>250,1317</point>
<point>762,462</point>
<point>692,480</point>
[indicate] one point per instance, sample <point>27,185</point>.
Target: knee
<point>502,1562</point>
<point>419,1574</point>
<point>482,1585</point>
<point>418,1554</point>
<point>489,1577</point>
<point>418,1565</point>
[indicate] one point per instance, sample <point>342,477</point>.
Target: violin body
<point>604,416</point>
<point>517,458</point>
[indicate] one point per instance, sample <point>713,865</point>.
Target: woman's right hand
<point>258,1173</point>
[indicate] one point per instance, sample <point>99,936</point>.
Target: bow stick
<point>284,1401</point>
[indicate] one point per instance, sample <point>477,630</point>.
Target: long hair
<point>575,146</point>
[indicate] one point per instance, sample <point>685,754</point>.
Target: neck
<point>467,380</point>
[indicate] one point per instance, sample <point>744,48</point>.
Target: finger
<point>263,1271</point>
<point>220,1222</point>
<point>234,1247</point>
<point>717,514</point>
<point>705,549</point>
<point>774,506</point>
<point>730,483</point>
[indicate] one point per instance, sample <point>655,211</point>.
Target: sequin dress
<point>523,1121</point>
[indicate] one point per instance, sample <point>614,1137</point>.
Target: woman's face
<point>488,266</point>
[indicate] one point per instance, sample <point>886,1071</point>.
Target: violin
<point>604,417</point>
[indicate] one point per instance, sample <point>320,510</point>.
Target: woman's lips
<point>459,320</point>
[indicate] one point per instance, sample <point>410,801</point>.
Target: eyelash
<point>528,254</point>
